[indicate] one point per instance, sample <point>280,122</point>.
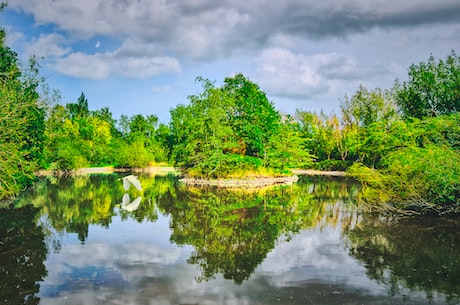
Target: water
<point>73,241</point>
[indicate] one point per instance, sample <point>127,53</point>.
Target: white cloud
<point>286,73</point>
<point>47,45</point>
<point>101,65</point>
<point>144,67</point>
<point>80,65</point>
<point>213,29</point>
<point>13,36</point>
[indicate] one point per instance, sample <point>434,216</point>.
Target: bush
<point>133,155</point>
<point>421,179</point>
<point>333,165</point>
<point>432,172</point>
<point>225,165</point>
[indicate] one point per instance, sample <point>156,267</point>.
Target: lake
<point>88,240</point>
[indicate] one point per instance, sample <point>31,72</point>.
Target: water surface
<point>87,240</point>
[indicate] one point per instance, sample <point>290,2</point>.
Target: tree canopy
<point>22,119</point>
<point>433,88</point>
<point>232,129</point>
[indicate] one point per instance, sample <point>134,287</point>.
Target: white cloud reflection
<point>136,264</point>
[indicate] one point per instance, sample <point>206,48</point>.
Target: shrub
<point>417,179</point>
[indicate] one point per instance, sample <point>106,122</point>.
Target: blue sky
<point>142,56</point>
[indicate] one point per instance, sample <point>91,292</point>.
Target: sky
<point>143,56</point>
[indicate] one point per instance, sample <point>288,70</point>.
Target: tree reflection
<point>73,203</point>
<point>419,254</point>
<point>22,255</point>
<point>233,230</point>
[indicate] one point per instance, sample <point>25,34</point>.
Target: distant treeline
<point>401,143</point>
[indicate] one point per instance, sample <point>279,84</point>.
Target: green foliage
<point>367,107</point>
<point>253,117</point>
<point>226,165</point>
<point>432,173</point>
<point>133,154</point>
<point>78,142</point>
<point>433,88</point>
<point>21,123</point>
<point>232,129</point>
<point>332,165</point>
<point>441,131</point>
<point>414,178</point>
<point>79,138</point>
<point>287,149</point>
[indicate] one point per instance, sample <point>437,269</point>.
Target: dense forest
<point>402,143</point>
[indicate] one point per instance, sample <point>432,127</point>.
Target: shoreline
<point>252,182</point>
<point>248,182</point>
<point>109,169</point>
<point>314,172</point>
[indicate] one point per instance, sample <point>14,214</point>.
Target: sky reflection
<point>134,263</point>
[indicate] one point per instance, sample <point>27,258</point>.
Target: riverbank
<point>153,170</point>
<point>248,182</point>
<point>314,172</point>
<point>252,182</point>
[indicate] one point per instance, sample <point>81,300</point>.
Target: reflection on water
<point>82,240</point>
<point>22,255</point>
<point>407,255</point>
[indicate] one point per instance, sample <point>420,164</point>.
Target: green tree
<point>202,133</point>
<point>105,115</point>
<point>318,131</point>
<point>139,146</point>
<point>287,148</point>
<point>368,117</point>
<point>79,109</point>
<point>433,88</point>
<point>230,130</point>
<point>21,121</point>
<point>365,107</point>
<point>254,118</point>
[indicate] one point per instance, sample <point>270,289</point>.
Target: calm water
<point>87,240</point>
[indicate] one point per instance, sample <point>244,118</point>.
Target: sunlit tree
<point>21,121</point>
<point>433,88</point>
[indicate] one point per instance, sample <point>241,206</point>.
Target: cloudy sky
<point>142,56</point>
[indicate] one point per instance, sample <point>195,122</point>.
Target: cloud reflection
<point>148,271</point>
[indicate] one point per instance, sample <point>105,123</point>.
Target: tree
<point>228,130</point>
<point>198,145</point>
<point>80,109</point>
<point>21,121</point>
<point>318,132</point>
<point>287,148</point>
<point>254,117</point>
<point>366,107</point>
<point>433,88</point>
<point>367,117</point>
<point>139,146</point>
